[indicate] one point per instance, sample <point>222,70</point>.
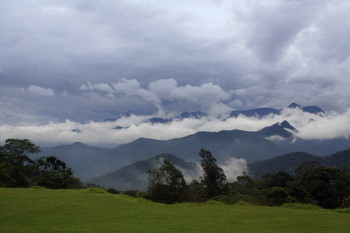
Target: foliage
<point>134,193</point>
<point>19,147</point>
<point>276,196</point>
<point>196,192</point>
<point>345,202</point>
<point>214,178</point>
<point>97,190</point>
<point>280,179</point>
<point>53,173</point>
<point>314,184</point>
<point>327,186</point>
<point>166,184</point>
<point>18,170</point>
<point>113,191</point>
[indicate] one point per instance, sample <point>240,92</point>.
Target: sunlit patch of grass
<point>301,206</point>
<point>344,211</point>
<point>45,210</point>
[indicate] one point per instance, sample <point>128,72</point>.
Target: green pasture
<point>92,210</point>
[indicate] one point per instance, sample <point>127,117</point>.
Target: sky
<point>65,64</point>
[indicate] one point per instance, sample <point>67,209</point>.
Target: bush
<point>276,196</point>
<point>345,202</point>
<point>97,190</point>
<point>134,193</point>
<point>233,198</point>
<point>113,191</point>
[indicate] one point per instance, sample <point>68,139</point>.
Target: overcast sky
<point>86,60</point>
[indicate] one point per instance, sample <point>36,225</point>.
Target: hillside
<point>89,210</point>
<point>289,162</point>
<point>86,161</point>
<point>134,176</point>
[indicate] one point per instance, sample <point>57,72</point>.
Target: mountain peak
<point>78,144</point>
<point>195,115</point>
<point>287,125</point>
<point>313,109</point>
<point>310,109</point>
<point>294,105</point>
<point>278,129</point>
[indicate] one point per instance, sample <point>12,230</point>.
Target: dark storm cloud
<point>243,53</point>
<point>272,26</point>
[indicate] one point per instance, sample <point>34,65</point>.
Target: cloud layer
<point>129,128</point>
<point>91,60</point>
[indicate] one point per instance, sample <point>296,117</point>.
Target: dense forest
<point>18,170</point>
<point>312,183</point>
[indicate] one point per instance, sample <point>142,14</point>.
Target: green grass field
<point>44,210</point>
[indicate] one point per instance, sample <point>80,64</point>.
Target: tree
<point>19,147</point>
<point>54,173</point>
<point>280,179</point>
<point>327,186</point>
<point>16,168</point>
<point>276,196</point>
<point>166,184</point>
<point>213,178</point>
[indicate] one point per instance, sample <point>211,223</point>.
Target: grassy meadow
<point>92,210</point>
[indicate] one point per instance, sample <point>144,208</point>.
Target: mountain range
<point>289,162</point>
<point>134,176</point>
<point>257,112</point>
<point>88,162</point>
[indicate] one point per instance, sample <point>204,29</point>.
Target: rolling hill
<point>134,176</point>
<point>90,210</point>
<point>289,162</point>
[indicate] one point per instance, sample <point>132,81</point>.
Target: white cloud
<point>131,87</point>
<point>265,50</point>
<point>332,125</point>
<point>127,86</point>
<point>234,167</point>
<point>168,89</point>
<point>96,87</point>
<point>40,90</point>
<point>207,96</point>
<point>309,126</point>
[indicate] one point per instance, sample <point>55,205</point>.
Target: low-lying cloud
<point>232,168</point>
<point>128,128</point>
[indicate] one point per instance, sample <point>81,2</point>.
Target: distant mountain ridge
<point>257,112</point>
<point>88,161</point>
<point>310,109</point>
<point>289,162</point>
<point>134,176</point>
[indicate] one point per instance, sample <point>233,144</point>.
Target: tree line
<point>312,183</point>
<point>18,170</point>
